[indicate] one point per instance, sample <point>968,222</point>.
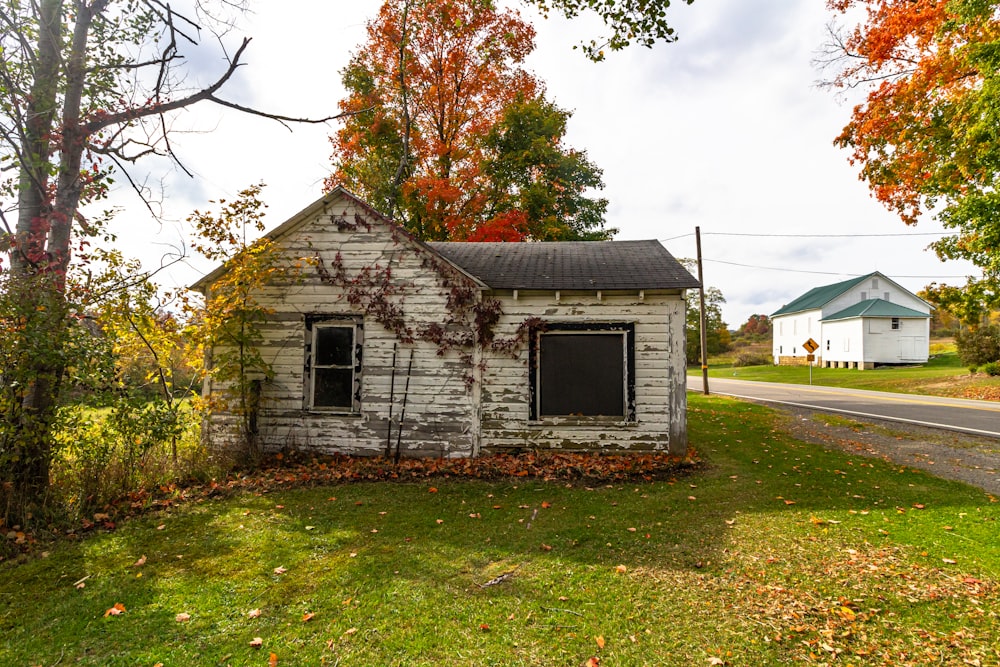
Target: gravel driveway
<point>956,456</point>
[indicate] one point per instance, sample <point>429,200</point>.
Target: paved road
<point>957,414</point>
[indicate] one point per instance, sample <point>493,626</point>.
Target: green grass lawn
<point>774,552</point>
<point>942,375</point>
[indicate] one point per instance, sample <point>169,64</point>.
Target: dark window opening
<point>333,365</point>
<point>895,324</point>
<point>583,370</point>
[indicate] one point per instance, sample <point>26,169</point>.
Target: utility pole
<point>704,333</point>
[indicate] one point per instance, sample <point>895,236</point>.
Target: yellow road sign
<point>810,345</point>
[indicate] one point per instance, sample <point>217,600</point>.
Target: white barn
<point>858,323</point>
<point>457,349</point>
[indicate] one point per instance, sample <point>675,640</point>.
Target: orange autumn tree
<point>927,137</point>
<point>448,134</point>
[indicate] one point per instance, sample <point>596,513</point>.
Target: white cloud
<point>724,129</point>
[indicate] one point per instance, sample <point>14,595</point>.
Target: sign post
<point>810,347</point>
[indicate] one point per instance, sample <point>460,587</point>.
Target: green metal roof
<point>818,297</point>
<point>875,308</point>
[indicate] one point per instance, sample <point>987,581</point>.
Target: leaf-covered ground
<point>774,551</point>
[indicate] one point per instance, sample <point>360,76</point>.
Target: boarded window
<point>584,371</point>
<point>333,365</point>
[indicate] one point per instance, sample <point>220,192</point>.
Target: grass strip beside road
<point>775,552</point>
<point>942,375</point>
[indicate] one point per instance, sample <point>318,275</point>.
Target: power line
<point>810,236</point>
<point>826,236</point>
<point>824,273</point>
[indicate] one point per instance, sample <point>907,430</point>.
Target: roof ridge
<point>818,297</point>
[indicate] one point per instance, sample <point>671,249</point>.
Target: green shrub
<point>992,368</point>
<point>748,358</point>
<point>978,346</point>
<point>106,454</point>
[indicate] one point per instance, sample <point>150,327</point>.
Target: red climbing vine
<point>471,319</point>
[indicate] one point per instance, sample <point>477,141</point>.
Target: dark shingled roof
<point>570,265</point>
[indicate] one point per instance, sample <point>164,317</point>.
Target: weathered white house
<point>453,349</point>
<point>857,323</point>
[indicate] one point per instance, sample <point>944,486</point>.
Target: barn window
<point>864,296</point>
<point>895,324</point>
<point>583,370</point>
<point>874,283</point>
<point>333,364</point>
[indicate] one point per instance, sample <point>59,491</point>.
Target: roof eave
<point>202,284</point>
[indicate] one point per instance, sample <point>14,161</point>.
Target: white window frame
<point>313,327</point>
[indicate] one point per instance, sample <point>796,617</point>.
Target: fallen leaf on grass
<point>546,504</point>
<point>600,641</point>
<point>546,547</point>
<point>117,610</point>
<point>949,561</point>
<point>280,569</point>
<point>273,660</point>
<point>140,562</point>
<point>350,631</point>
<point>621,569</point>
<point>256,642</point>
<point>846,613</point>
<point>308,616</point>
<point>432,490</point>
<point>253,613</point>
<point>485,627</point>
<point>592,662</point>
<point>182,617</point>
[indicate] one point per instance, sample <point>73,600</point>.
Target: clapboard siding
<point>459,402</point>
<point>439,415</point>
<point>658,319</point>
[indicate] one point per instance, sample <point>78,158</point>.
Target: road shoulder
<point>954,456</point>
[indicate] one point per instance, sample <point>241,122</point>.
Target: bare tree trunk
<point>28,447</point>
<point>32,204</point>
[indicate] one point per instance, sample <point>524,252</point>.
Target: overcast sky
<point>725,130</point>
